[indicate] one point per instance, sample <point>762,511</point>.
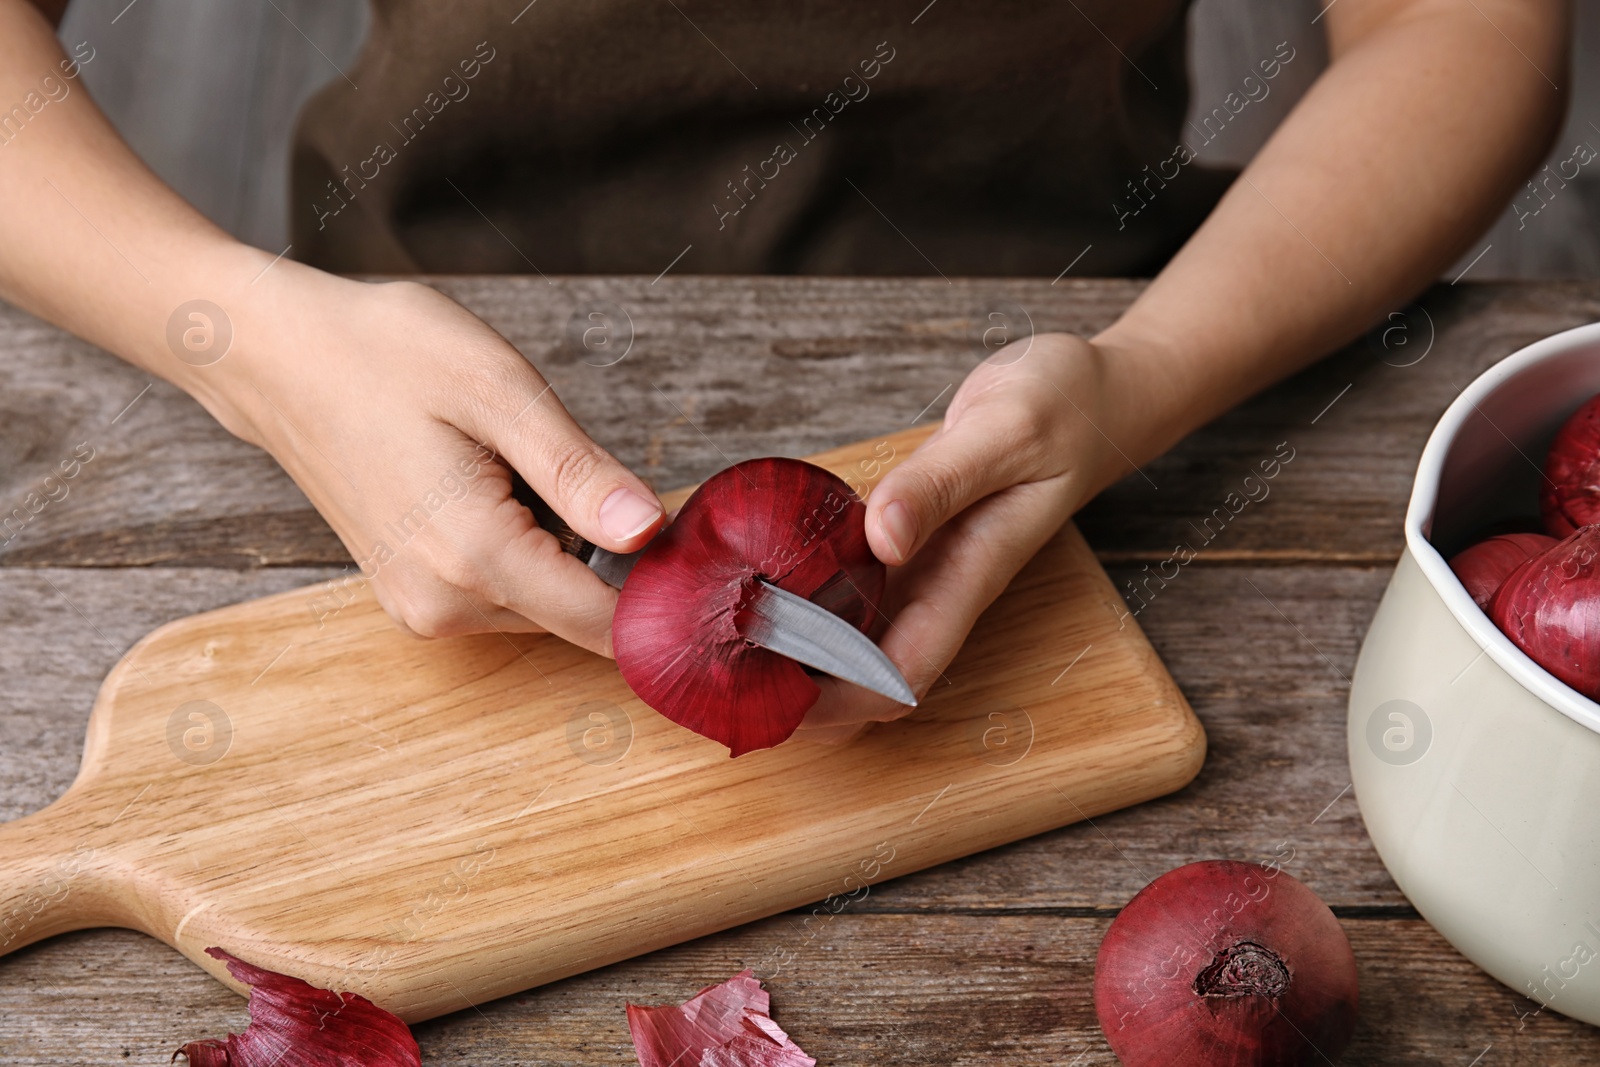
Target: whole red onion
<point>1485,565</point>
<point>1569,497</point>
<point>1225,963</point>
<point>678,630</point>
<point>1550,608</point>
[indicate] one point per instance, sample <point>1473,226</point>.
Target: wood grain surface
<point>985,960</point>
<point>434,823</point>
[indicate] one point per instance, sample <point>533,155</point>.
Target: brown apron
<point>609,136</point>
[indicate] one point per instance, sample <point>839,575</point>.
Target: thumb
<point>597,496</point>
<point>954,469</point>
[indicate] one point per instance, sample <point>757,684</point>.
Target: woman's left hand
<point>1023,445</point>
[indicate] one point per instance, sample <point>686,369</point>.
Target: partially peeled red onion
<point>678,628</point>
<point>1550,608</point>
<point>1569,496</point>
<point>1225,964</point>
<point>1483,566</point>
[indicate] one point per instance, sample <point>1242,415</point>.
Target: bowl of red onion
<point>1474,732</point>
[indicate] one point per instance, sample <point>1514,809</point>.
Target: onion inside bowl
<point>1543,592</point>
<point>1550,608</point>
<point>1485,565</point>
<point>1570,494</point>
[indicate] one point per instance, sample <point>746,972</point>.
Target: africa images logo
<point>1399,732</point>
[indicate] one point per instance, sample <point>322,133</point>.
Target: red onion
<point>1225,963</point>
<point>295,1024</point>
<point>1485,565</point>
<point>678,625</point>
<point>1550,608</point>
<point>1569,497</point>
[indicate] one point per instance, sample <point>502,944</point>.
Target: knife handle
<point>612,568</point>
<point>546,517</point>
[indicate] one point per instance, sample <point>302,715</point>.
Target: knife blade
<point>782,622</point>
<point>809,633</point>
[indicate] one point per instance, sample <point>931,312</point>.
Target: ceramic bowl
<point>1477,772</point>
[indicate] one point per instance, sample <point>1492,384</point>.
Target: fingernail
<point>899,529</point>
<point>625,514</point>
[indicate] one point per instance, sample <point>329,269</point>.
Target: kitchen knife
<point>784,623</point>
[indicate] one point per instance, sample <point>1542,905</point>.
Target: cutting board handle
<point>50,876</point>
<point>61,868</point>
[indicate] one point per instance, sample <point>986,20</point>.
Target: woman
<point>999,138</point>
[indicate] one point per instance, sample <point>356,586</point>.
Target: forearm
<point>1398,157</point>
<point>90,239</point>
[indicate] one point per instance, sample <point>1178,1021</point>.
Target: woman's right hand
<point>401,415</point>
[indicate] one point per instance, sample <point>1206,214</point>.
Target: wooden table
<point>988,960</point>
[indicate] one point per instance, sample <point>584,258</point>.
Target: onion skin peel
<point>296,1024</point>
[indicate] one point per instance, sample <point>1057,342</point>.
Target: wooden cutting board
<point>435,824</point>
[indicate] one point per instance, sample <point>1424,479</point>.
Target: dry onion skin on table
<point>678,628</point>
<point>295,1024</point>
<point>723,1025</point>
